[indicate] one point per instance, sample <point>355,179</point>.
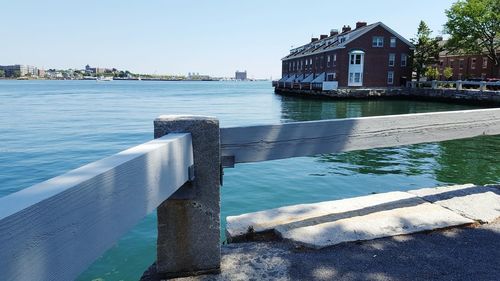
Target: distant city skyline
<point>164,37</point>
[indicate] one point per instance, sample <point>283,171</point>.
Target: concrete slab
<point>396,220</point>
<point>480,203</point>
<point>308,214</point>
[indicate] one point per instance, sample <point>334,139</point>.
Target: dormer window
<point>342,39</point>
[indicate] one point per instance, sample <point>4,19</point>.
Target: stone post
<point>459,85</point>
<point>434,84</point>
<point>189,221</point>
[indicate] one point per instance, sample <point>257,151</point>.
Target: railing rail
<point>54,230</point>
<point>269,142</point>
<point>458,84</point>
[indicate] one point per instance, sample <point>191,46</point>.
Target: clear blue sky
<point>177,37</point>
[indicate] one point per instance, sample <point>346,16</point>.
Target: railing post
<point>434,84</point>
<point>459,85</point>
<point>189,221</point>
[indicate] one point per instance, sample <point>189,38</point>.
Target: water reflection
<point>474,160</point>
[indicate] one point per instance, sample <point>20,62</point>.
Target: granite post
<point>189,221</point>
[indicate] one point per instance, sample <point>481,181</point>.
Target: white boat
<point>104,79</point>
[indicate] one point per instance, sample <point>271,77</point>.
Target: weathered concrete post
<point>189,222</point>
<point>459,85</point>
<point>434,84</point>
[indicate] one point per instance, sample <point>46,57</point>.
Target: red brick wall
<point>376,64</point>
<point>468,68</point>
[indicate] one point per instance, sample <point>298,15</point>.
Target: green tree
<point>426,50</point>
<point>17,74</point>
<point>474,27</point>
<point>448,72</point>
<point>432,73</point>
<point>2,73</point>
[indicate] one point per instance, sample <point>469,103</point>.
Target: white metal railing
<point>458,85</point>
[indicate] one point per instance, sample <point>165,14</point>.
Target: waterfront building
<point>12,70</point>
<point>98,70</point>
<point>371,55</point>
<point>467,66</point>
<point>240,75</point>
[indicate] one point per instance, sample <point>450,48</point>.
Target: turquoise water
<point>49,127</point>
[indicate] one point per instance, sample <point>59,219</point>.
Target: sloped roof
<point>333,42</point>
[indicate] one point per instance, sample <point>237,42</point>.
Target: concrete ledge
<point>369,217</point>
<point>480,203</point>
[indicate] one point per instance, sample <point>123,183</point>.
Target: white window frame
<point>404,60</point>
<point>390,77</point>
<point>392,59</point>
<point>378,41</point>
<point>392,42</point>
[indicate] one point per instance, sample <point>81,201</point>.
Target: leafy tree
<point>474,26</point>
<point>426,50</point>
<point>2,73</point>
<point>432,73</point>
<point>17,74</point>
<point>448,72</point>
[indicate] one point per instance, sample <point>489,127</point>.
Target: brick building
<point>368,56</point>
<point>467,66</point>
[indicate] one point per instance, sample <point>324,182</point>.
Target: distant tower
<point>240,75</point>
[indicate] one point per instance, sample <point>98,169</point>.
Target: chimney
<point>439,38</point>
<point>322,36</point>
<point>334,32</point>
<point>314,39</point>
<point>346,28</point>
<point>360,24</point>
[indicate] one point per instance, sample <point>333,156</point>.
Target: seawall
<point>484,98</point>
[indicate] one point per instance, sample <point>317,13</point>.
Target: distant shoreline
<point>134,79</point>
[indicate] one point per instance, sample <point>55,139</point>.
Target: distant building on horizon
<point>19,69</point>
<point>240,75</point>
<point>98,70</point>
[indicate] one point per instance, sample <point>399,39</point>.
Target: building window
<point>393,42</point>
<point>441,63</point>
<point>404,58</point>
<point>328,58</point>
<point>390,77</point>
<point>461,64</point>
<point>473,63</point>
<point>378,41</point>
<point>392,59</point>
<point>485,62</point>
<point>334,57</point>
<point>331,76</point>
<point>357,77</point>
<point>342,39</point>
<point>355,58</point>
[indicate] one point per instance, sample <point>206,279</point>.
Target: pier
<point>54,230</point>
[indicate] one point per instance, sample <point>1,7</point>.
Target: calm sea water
<point>50,127</point>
